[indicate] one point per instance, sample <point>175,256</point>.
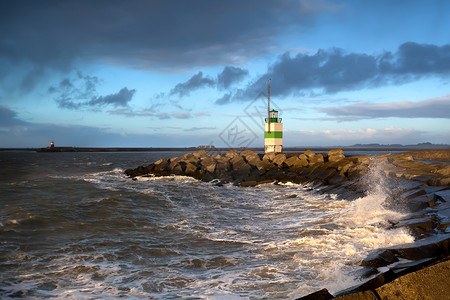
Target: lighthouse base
<point>273,148</point>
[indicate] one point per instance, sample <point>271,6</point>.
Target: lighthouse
<point>273,129</point>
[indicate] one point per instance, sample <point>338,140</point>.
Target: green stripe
<point>273,135</point>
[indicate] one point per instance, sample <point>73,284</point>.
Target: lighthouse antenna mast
<point>268,104</point>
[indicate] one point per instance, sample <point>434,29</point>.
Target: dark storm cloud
<point>333,70</point>
<point>195,82</point>
<point>229,76</point>
<point>162,35</point>
<point>81,92</point>
<point>430,108</point>
<point>119,99</point>
<point>8,117</point>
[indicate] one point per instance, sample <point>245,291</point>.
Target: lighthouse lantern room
<point>273,129</point>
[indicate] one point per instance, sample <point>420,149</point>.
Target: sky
<point>186,73</point>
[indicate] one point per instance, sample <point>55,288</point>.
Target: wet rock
<point>443,195</point>
<point>419,226</point>
<point>443,215</point>
<point>377,281</point>
<point>379,259</point>
<point>323,294</point>
<point>434,246</point>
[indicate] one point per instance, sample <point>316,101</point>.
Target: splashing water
<point>79,228</point>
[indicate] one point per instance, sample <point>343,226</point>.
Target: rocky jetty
<point>419,183</point>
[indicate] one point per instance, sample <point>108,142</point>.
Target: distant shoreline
<point>152,149</point>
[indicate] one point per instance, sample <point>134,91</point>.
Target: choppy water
<point>73,226</point>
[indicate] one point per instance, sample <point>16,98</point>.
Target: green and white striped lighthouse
<point>273,129</point>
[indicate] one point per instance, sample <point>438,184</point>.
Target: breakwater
<point>413,182</point>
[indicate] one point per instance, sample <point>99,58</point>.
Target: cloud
<point>225,99</point>
<point>229,76</point>
<point>334,137</point>
<point>334,70</point>
<point>119,99</point>
<point>81,92</point>
<point>431,108</point>
<point>151,112</point>
<point>199,128</point>
<point>161,35</point>
<point>195,82</point>
<point>8,117</point>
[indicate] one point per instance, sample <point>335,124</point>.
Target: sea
<point>73,226</point>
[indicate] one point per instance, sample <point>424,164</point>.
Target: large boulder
<point>291,161</point>
<point>279,159</point>
<point>269,156</point>
<point>309,153</point>
<point>190,169</point>
<point>161,165</point>
<point>208,163</point>
<point>232,153</point>
<point>316,158</point>
<point>253,159</point>
<point>200,154</point>
<point>222,168</point>
<point>240,169</point>
<point>335,155</point>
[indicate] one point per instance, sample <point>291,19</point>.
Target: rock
<point>434,246</point>
<point>279,159</point>
<point>432,155</point>
<point>317,158</point>
<point>366,295</point>
<point>303,157</point>
<point>161,165</point>
<point>232,153</point>
<point>253,159</point>
<point>240,170</point>
<point>208,164</point>
<point>291,161</point>
<point>379,259</point>
<point>377,281</point>
<point>428,283</point>
<point>443,195</point>
<point>190,169</point>
<point>419,226</point>
<point>309,153</point>
<point>443,215</point>
<point>421,202</point>
<point>323,294</point>
<point>335,155</point>
<point>200,154</point>
<point>178,168</point>
<point>269,157</point>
